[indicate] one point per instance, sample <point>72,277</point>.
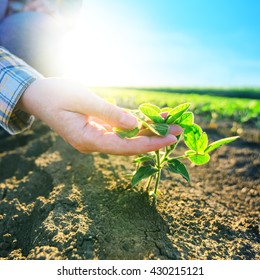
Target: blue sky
<point>173,42</point>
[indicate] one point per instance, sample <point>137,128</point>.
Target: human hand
<point>85,120</point>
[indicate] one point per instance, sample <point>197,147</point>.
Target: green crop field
<point>234,105</point>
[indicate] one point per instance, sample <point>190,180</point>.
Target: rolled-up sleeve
<point>15,78</point>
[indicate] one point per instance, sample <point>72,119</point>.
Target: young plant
<point>153,120</point>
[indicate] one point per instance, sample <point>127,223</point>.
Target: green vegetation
<point>154,120</point>
<point>237,109</point>
<point>252,93</point>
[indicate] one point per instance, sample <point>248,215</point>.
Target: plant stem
<point>137,166</point>
<point>158,160</point>
<point>170,149</point>
<point>158,177</point>
<point>149,183</point>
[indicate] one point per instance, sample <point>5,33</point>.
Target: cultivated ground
<point>58,204</point>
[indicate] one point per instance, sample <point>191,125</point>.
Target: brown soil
<point>58,204</point>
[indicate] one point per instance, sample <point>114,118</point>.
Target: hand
<point>85,120</point>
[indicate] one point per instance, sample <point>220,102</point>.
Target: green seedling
<point>155,121</point>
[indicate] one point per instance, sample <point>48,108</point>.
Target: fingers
<point>115,116</point>
<point>91,104</point>
<point>106,126</point>
<point>96,139</point>
<point>88,136</point>
<point>173,129</point>
<point>112,144</point>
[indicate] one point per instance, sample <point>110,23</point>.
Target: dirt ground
<point>56,203</point>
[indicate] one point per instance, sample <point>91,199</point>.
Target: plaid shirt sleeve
<point>15,77</point>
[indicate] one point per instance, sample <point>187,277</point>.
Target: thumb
<point>116,116</point>
<point>95,106</point>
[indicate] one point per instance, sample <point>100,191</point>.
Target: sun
<point>95,54</point>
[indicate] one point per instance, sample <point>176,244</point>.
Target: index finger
<point>111,143</point>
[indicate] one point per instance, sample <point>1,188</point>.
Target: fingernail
<point>175,129</point>
<point>171,139</point>
<point>128,121</point>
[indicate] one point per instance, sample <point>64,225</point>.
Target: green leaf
<point>190,152</point>
<point>176,112</point>
<point>142,159</point>
<point>142,173</point>
<point>199,159</point>
<point>202,143</point>
<point>186,119</point>
<point>152,112</point>
<point>149,106</point>
<point>192,135</point>
<point>126,133</point>
<point>160,129</point>
<point>140,116</point>
<point>166,109</point>
<point>176,166</point>
<point>219,143</point>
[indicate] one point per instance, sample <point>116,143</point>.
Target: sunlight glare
<point>95,54</point>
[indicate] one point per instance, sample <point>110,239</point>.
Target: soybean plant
<point>154,120</point>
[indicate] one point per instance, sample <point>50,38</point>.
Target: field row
<point>211,108</point>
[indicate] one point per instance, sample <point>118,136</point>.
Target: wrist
<point>29,99</point>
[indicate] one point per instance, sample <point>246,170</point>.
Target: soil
<point>56,203</point>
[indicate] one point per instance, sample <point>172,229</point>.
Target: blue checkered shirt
<point>15,77</point>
